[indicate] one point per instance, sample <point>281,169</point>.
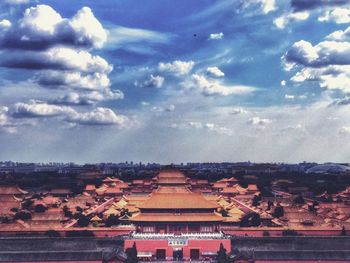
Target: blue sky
<point>175,81</point>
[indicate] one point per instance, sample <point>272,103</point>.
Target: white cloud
<point>323,54</point>
<point>282,21</point>
<point>209,125</point>
<point>41,27</point>
<point>76,80</point>
<point>340,35</point>
<point>289,97</point>
<point>195,124</point>
<point>38,109</point>
<point>210,87</point>
<point>170,108</point>
<point>265,6</point>
<point>59,58</point>
<point>327,63</point>
<point>5,24</point>
<point>337,15</point>
<point>74,98</point>
<point>151,82</point>
<point>238,111</point>
<point>215,72</point>
<point>216,36</point>
<point>123,35</point>
<point>283,83</point>
<point>99,116</point>
<point>176,67</point>
<point>257,121</point>
<point>345,130</point>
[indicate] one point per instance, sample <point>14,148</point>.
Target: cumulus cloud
<point>59,58</point>
<point>42,27</point>
<point>340,35</point>
<point>151,82</point>
<point>5,24</point>
<point>337,15</point>
<point>216,36</point>
<point>215,72</point>
<point>76,80</point>
<point>74,98</point>
<point>99,116</point>
<point>327,63</point>
<point>211,87</point>
<point>282,21</point>
<point>38,109</point>
<point>176,67</point>
<point>59,50</point>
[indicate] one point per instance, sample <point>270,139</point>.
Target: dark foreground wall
<point>37,249</point>
<point>292,248</point>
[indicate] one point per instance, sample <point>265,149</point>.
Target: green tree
<point>83,221</point>
<point>250,219</point>
<point>289,232</point>
<point>112,220</point>
<point>256,201</point>
<point>23,215</point>
<point>343,231</point>
<point>131,253</point>
<point>40,208</point>
<point>278,212</point>
<point>222,256</point>
<point>299,200</point>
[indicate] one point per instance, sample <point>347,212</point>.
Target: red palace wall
<point>204,245</point>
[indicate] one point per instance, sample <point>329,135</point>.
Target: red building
<point>175,223</point>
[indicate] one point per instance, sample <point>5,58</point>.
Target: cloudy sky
<point>175,81</point>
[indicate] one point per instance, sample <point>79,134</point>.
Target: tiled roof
<point>168,217</point>
<point>176,200</point>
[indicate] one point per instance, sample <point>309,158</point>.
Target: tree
<point>83,220</point>
<point>224,213</point>
<point>256,201</point>
<point>278,212</point>
<point>343,231</point>
<point>67,212</point>
<point>250,219</point>
<point>26,204</point>
<point>52,233</point>
<point>23,215</point>
<point>40,208</point>
<point>112,220</point>
<point>131,253</point>
<point>269,205</point>
<point>289,232</point>
<point>222,256</point>
<point>299,200</point>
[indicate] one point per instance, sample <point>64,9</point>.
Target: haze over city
<point>174,81</point>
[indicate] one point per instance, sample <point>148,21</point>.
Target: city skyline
<point>172,82</point>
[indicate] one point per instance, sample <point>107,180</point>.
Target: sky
<point>175,81</point>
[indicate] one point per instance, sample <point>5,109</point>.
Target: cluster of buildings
<point>170,215</point>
